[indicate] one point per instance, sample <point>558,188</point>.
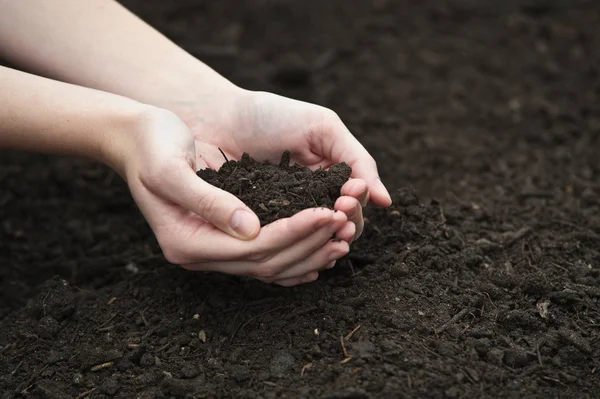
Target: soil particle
<point>47,327</point>
<point>364,349</point>
<point>147,360</point>
<point>281,362</point>
<point>575,339</point>
<point>517,357</point>
<point>495,356</point>
<point>180,387</point>
<point>188,370</point>
<point>110,386</point>
<point>55,299</point>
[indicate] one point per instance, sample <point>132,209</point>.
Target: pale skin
<point>130,98</point>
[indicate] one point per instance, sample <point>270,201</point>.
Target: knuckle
<point>371,161</point>
<point>266,272</point>
<point>331,116</point>
<point>260,255</point>
<point>207,206</point>
<point>173,256</point>
<point>155,174</point>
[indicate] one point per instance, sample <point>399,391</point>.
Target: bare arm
<point>100,44</point>
<point>44,115</point>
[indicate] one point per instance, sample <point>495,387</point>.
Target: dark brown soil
<point>482,280</point>
<point>278,191</point>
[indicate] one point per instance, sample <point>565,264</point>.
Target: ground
<point>482,280</point>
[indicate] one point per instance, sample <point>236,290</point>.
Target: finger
<point>351,207</point>
<point>358,189</point>
<point>309,278</point>
<point>347,232</point>
<point>319,260</point>
<point>269,269</point>
<point>218,207</point>
<point>338,144</point>
<point>210,251</point>
<point>274,267</point>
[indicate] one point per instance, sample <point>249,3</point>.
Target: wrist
<point>119,141</point>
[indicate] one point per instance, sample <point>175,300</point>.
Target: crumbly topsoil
<point>277,191</point>
<point>490,107</point>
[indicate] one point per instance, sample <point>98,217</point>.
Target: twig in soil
<point>442,218</point>
<point>44,303</point>
<point>351,267</point>
<point>492,302</point>
<point>539,355</point>
<point>454,319</point>
<point>512,237</point>
<point>347,356</point>
<point>306,367</point>
<point>75,334</point>
<point>16,368</point>
<point>7,346</point>
<point>101,366</point>
<point>224,156</point>
<point>108,321</point>
<point>29,383</point>
<point>144,317</point>
<point>313,198</point>
<point>85,393</point>
<point>351,333</point>
<point>553,380</point>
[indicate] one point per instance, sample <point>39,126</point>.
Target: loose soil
<point>278,191</point>
<point>482,280</point>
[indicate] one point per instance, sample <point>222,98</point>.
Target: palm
<point>264,128</point>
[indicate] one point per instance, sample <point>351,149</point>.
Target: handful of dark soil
<point>278,191</point>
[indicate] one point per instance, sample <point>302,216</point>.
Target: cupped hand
<point>265,124</point>
<point>201,227</point>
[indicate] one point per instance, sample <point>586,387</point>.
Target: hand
<point>204,228</point>
<point>265,124</point>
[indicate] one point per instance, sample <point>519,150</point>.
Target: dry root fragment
<point>306,367</point>
<point>102,366</point>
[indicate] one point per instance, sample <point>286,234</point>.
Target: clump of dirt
<point>278,191</point>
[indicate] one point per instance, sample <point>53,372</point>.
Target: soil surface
<point>278,191</point>
<point>482,280</point>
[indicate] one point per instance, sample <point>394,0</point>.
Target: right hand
<point>195,222</point>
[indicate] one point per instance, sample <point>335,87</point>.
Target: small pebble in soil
<point>110,386</point>
<point>281,362</point>
<point>48,327</point>
<point>278,191</point>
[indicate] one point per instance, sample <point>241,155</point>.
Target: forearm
<point>44,115</point>
<point>99,44</point>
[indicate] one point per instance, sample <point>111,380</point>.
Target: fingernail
<point>381,188</point>
<point>331,265</point>
<point>244,223</point>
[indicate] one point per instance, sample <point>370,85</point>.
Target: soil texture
<point>482,280</point>
<point>278,191</point>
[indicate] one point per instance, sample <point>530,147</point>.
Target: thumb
<point>218,207</point>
